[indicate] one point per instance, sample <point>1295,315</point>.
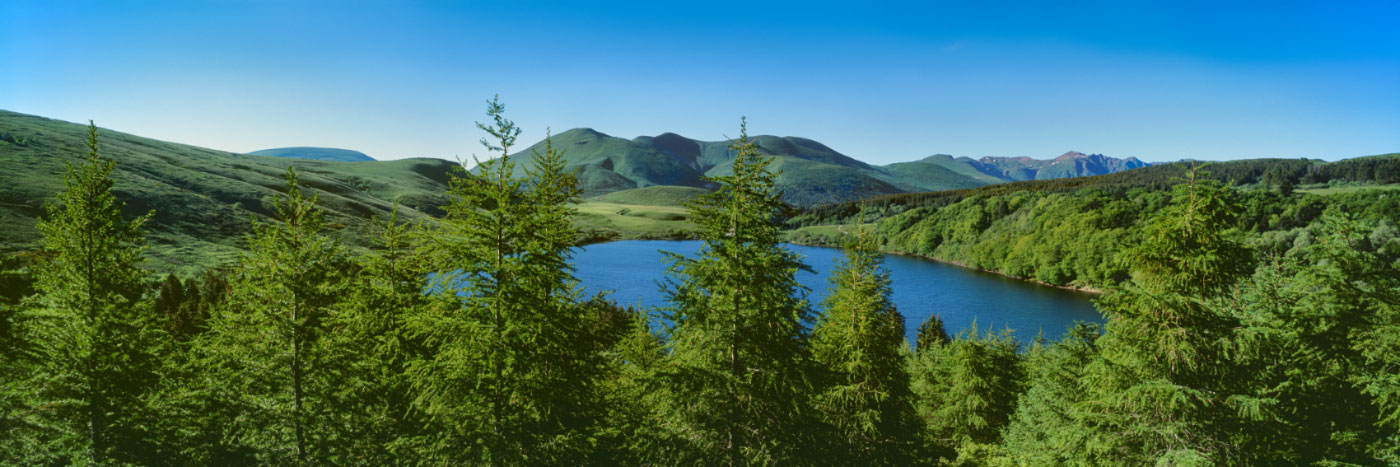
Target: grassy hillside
<point>320,154</point>
<point>603,221</point>
<point>925,176</point>
<point>653,195</point>
<point>203,198</point>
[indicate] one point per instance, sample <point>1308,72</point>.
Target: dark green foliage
<point>864,390</point>
<point>631,432</point>
<point>93,337</point>
<point>967,388</point>
<point>1164,366</point>
<point>931,334</point>
<point>1376,169</point>
<point>184,306</point>
<point>271,353</point>
<point>1152,178</point>
<point>1045,429</point>
<point>386,427</point>
<point>508,376</point>
<point>736,374</point>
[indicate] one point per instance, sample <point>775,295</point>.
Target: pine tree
<point>858,343</point>
<point>384,424</point>
<point>509,376</point>
<point>1165,365</point>
<point>737,373</point>
<point>931,334</point>
<point>96,340</point>
<point>1044,429</point>
<point>631,432</point>
<point>271,357</point>
<point>967,388</point>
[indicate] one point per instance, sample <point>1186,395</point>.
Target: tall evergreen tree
<point>967,389</point>
<point>95,336</point>
<point>384,424</point>
<point>930,334</point>
<point>271,356</point>
<point>857,343</point>
<point>632,432</point>
<point>1044,429</point>
<point>737,341</point>
<point>508,376</point>
<point>1165,363</point>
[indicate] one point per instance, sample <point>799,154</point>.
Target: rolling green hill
<point>319,154</point>
<point>660,195</point>
<point>203,198</point>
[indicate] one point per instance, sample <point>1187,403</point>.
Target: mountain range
<point>203,198</point>
<point>810,173</point>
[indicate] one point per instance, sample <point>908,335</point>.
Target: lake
<point>632,270</point>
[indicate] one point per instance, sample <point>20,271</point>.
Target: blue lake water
<point>633,269</point>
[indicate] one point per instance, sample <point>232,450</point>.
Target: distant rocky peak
<point>1073,155</point>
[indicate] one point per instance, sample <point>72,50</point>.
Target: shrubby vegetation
<point>1245,328</point>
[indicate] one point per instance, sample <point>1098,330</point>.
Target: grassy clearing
<point>602,221</point>
<point>663,195</point>
<point>1342,189</point>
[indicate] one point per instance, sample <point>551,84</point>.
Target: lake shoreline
<point>1086,290</point>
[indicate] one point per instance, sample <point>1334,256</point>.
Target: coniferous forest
<point>468,340</point>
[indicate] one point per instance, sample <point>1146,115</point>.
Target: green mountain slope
<point>319,154</point>
<point>809,172</point>
<point>660,195</point>
<point>203,198</point>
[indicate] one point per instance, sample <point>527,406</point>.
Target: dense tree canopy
<point>1247,325</point>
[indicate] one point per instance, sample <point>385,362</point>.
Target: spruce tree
<point>1309,340</point>
<point>738,390</point>
<point>967,389</point>
<point>1165,365</point>
<point>384,425</point>
<point>272,360</point>
<point>931,334</point>
<point>94,334</point>
<point>508,376</point>
<point>857,344</point>
<point>1045,430</point>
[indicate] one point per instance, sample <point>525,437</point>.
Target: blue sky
<point>880,81</point>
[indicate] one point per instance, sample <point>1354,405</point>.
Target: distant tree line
<point>468,341</point>
<point>1273,173</point>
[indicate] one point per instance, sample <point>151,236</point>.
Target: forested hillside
<point>467,341</point>
<point>1075,232</point>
